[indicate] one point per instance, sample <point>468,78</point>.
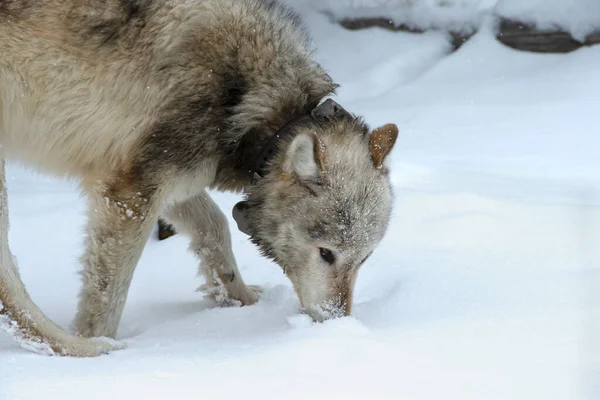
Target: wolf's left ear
<point>306,157</point>
<point>240,215</point>
<point>381,142</point>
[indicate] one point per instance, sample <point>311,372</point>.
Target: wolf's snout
<point>324,299</point>
<point>321,314</point>
<point>330,309</point>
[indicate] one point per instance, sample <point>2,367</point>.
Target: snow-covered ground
<point>579,17</point>
<point>485,287</point>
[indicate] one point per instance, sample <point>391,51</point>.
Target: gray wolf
<point>150,103</point>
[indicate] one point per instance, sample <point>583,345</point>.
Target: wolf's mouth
<point>330,309</point>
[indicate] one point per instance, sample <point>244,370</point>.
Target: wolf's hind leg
<point>120,219</point>
<point>19,315</point>
<point>203,221</point>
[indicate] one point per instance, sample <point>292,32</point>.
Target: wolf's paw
<point>92,347</point>
<point>106,345</point>
<point>219,295</point>
<point>249,296</point>
<point>236,298</point>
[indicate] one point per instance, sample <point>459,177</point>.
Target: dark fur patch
<point>108,22</point>
<point>131,8</point>
<point>236,165</point>
<point>195,123</point>
<point>234,88</point>
<point>189,135</point>
<point>175,143</point>
<point>16,8</point>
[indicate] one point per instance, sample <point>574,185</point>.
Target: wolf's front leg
<point>202,220</point>
<point>120,220</point>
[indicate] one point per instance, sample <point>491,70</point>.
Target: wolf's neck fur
<point>257,111</point>
<point>238,160</point>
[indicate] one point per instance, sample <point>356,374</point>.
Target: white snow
<point>579,17</point>
<point>485,287</point>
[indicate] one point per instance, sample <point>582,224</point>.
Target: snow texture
<point>486,285</point>
<point>579,17</point>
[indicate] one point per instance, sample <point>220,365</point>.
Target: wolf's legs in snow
<point>120,219</point>
<point>206,225</point>
<point>19,315</point>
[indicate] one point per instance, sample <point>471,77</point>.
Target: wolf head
<point>323,206</point>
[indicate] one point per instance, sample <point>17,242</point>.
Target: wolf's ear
<point>381,142</point>
<point>329,109</point>
<point>240,215</point>
<point>306,157</point>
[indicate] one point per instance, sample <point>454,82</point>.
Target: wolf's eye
<point>327,255</point>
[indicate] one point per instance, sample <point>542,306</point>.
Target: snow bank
<point>456,15</point>
<point>579,17</point>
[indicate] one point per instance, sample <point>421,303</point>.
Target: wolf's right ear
<point>306,157</point>
<point>381,142</point>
